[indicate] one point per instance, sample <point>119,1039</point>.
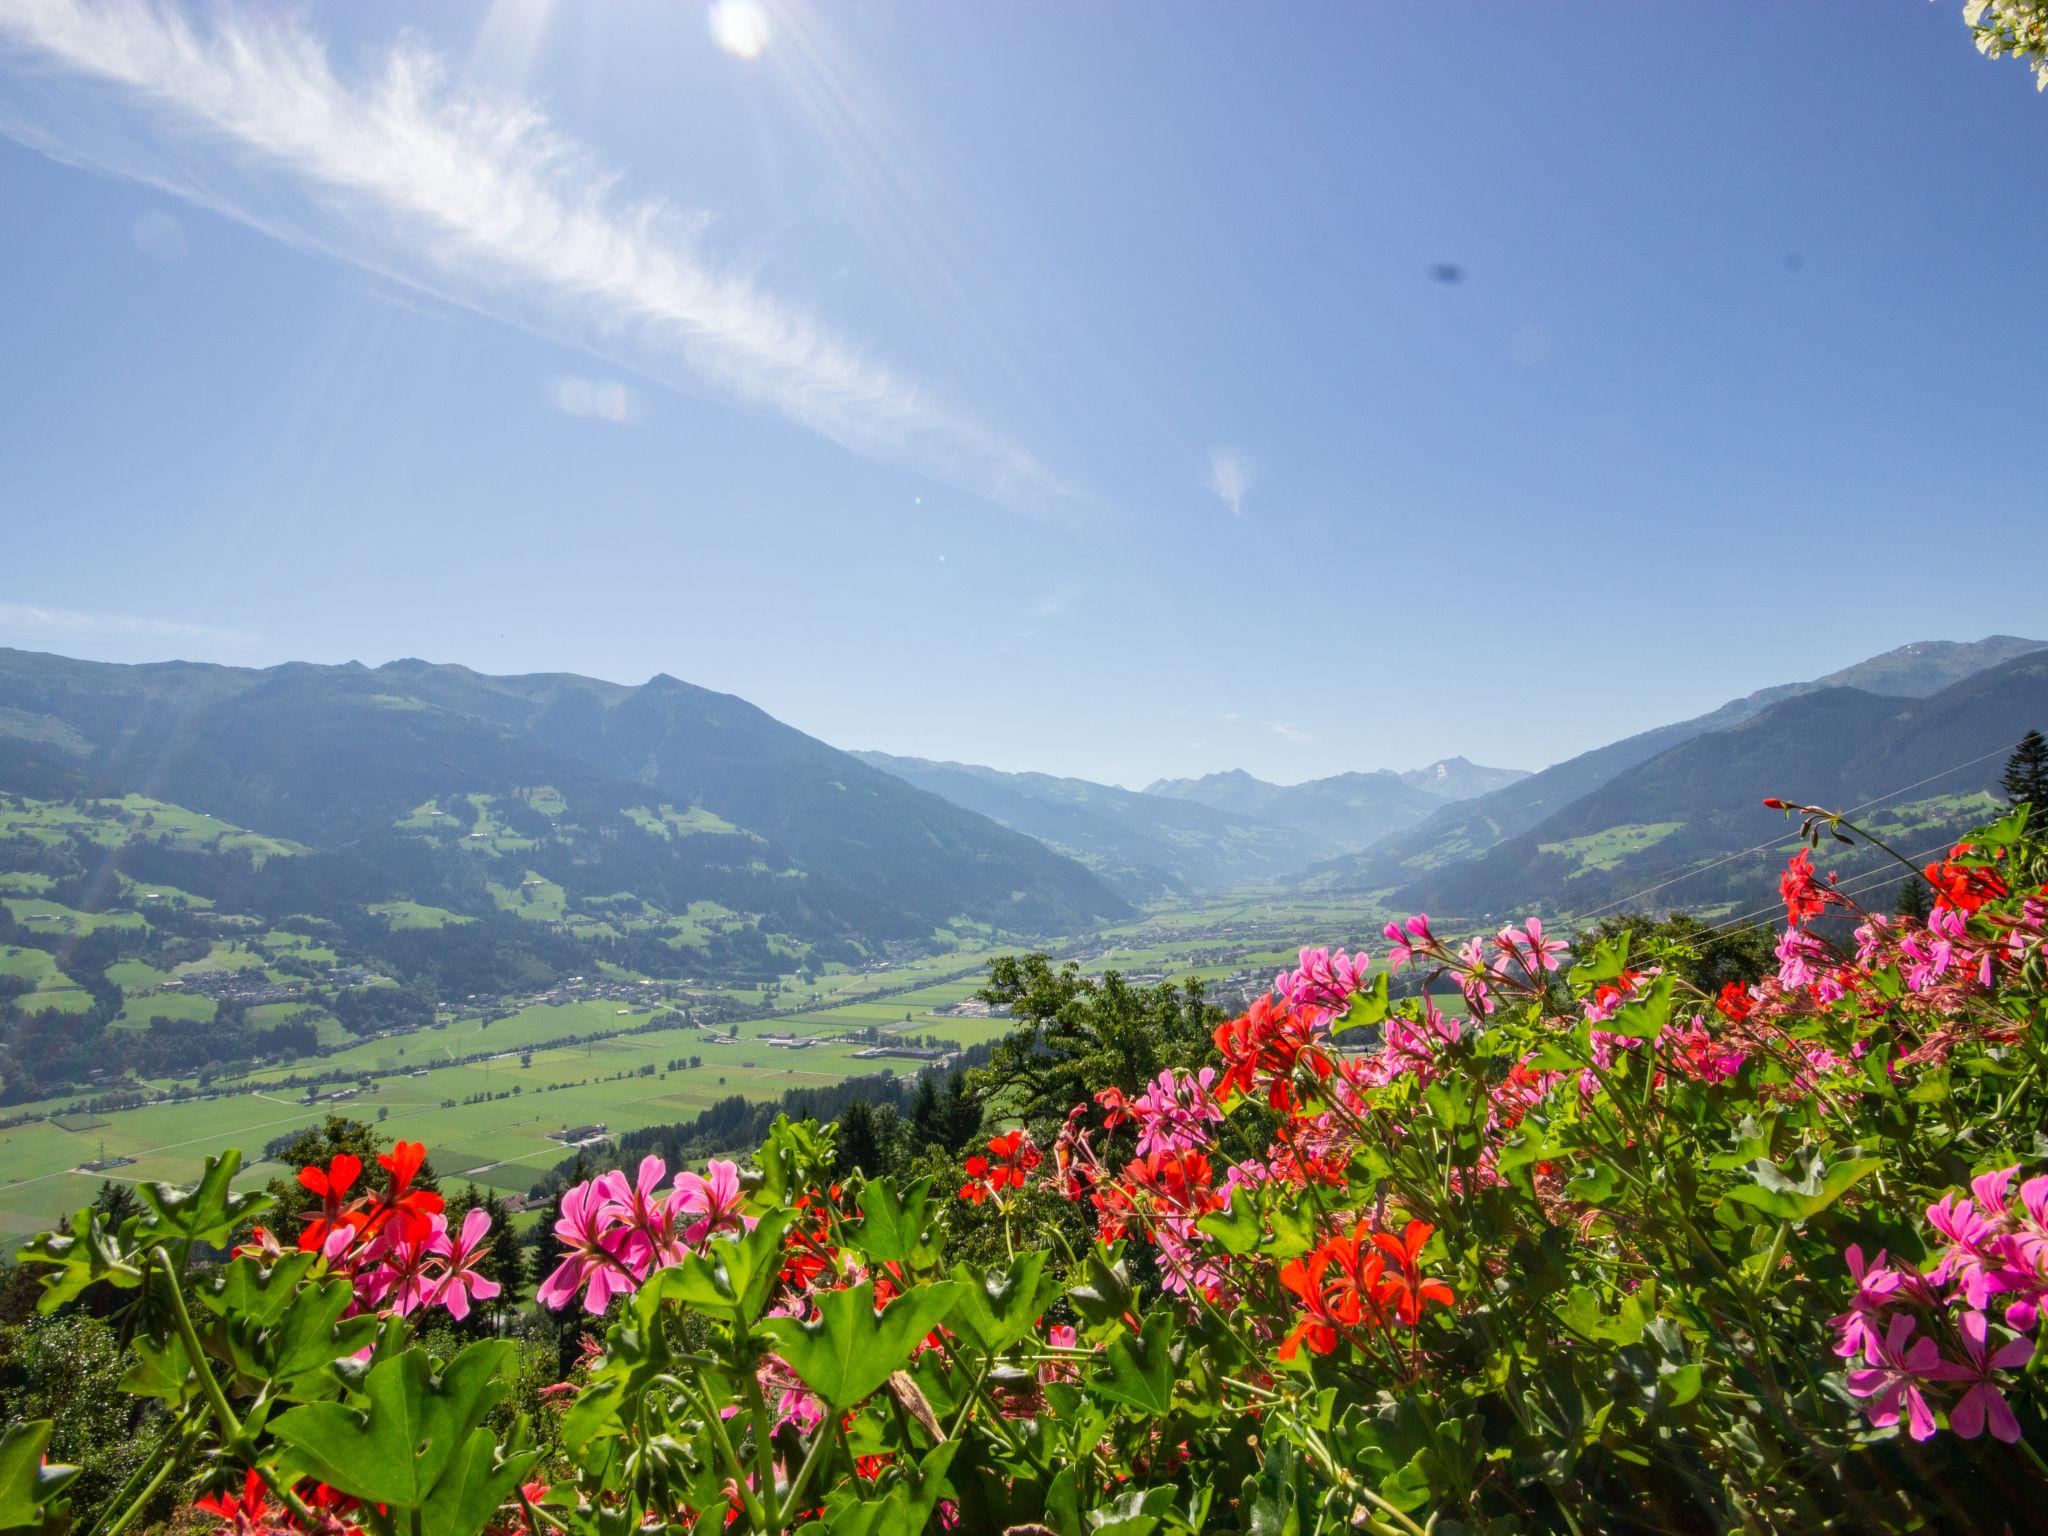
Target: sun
<point>740,27</point>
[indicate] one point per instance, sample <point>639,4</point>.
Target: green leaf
<point>1679,1385</point>
<point>28,1488</point>
<point>1137,1369</point>
<point>730,1273</point>
<point>205,1213</point>
<point>1784,1199</point>
<point>1001,1304</point>
<point>395,1449</point>
<point>248,1291</point>
<point>468,1494</point>
<point>1608,960</point>
<point>1368,1008</point>
<point>86,1255</point>
<point>851,1349</point>
<point>891,1229</point>
<point>1136,1512</point>
<point>1237,1226</point>
<point>1104,1297</point>
<point>1594,1184</point>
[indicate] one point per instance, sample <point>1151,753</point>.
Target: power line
<point>1774,842</point>
<point>1734,926</point>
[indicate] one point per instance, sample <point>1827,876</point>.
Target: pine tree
<point>2026,779</point>
<point>857,1149</point>
<point>1913,900</point>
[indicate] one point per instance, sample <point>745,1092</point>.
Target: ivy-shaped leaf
<point>1000,1305</point>
<point>476,1483</point>
<point>29,1488</point>
<point>852,1349</point>
<point>1819,1186</point>
<point>891,1229</point>
<point>1137,1369</point>
<point>730,1272</point>
<point>1368,1010</point>
<point>1104,1298</point>
<point>395,1449</point>
<point>1237,1227</point>
<point>88,1254</point>
<point>205,1213</point>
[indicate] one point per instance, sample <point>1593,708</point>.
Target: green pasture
<point>411,914</point>
<point>1608,847</point>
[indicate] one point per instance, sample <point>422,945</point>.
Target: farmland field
<point>490,1120</point>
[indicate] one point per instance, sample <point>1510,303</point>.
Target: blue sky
<point>1055,386</point>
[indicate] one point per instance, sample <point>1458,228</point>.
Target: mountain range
<point>1354,810</point>
<point>1688,820</point>
<point>1143,845</point>
<point>1468,829</point>
<point>436,784</point>
<point>667,828</point>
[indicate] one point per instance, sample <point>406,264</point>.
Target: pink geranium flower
<point>1891,1383</point>
<point>713,1197</point>
<point>593,1264</point>
<point>462,1281</point>
<point>1982,1402</point>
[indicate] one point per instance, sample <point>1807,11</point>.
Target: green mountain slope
<point>665,792</point>
<point>1674,820</point>
<point>1464,831</point>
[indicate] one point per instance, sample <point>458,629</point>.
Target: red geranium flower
<point>1265,1044</point>
<point>1803,895</point>
<point>1734,1003</point>
<point>237,1514</point>
<point>1963,887</point>
<point>1008,1165</point>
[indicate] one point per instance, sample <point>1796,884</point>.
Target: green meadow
<point>490,1120</point>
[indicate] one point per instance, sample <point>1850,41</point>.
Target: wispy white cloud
<point>478,200</point>
<point>32,620</point>
<point>1288,732</point>
<point>604,399</point>
<point>1230,476</point>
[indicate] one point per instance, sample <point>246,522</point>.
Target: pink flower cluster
<point>1172,1111</point>
<point>1996,1248</point>
<point>1324,980</point>
<point>414,1262</point>
<point>616,1233</point>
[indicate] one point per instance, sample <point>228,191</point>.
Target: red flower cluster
<point>1735,1002</point>
<point>366,1215</point>
<point>251,1510</point>
<point>1963,887</point>
<point>807,1247</point>
<point>1262,1048</point>
<point>1008,1165</point>
<point>1345,1285</point>
<point>1804,896</point>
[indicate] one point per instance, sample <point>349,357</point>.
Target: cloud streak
<point>1230,476</point>
<point>478,200</point>
<point>70,624</point>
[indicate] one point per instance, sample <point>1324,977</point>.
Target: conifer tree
<point>2026,779</point>
<point>1913,900</point>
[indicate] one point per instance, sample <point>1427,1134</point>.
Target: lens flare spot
<point>740,27</point>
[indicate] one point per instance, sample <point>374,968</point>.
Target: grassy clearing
<point>1607,848</point>
<point>132,818</point>
<point>411,914</point>
<point>52,989</point>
